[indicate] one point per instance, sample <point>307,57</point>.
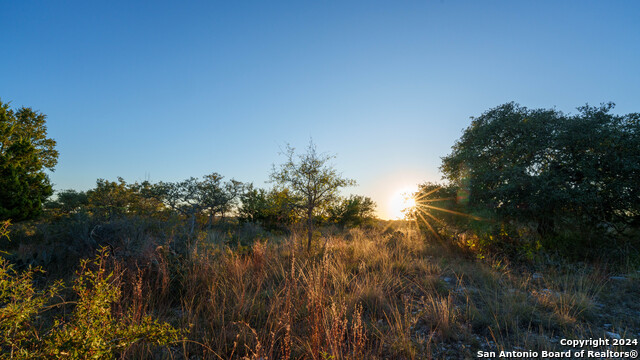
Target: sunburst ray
<point>433,231</point>
<point>422,196</point>
<point>438,199</point>
<point>433,217</point>
<point>449,211</point>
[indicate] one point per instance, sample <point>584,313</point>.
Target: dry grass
<point>363,295</point>
<point>368,295</point>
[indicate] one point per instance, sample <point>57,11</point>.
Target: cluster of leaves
<point>193,197</point>
<point>551,171</point>
<point>273,209</point>
<point>352,211</point>
<point>25,152</point>
<point>92,331</point>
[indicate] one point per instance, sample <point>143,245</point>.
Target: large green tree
<point>544,167</point>
<point>312,182</point>
<point>25,153</point>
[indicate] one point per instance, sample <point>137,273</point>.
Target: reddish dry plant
<point>359,336</point>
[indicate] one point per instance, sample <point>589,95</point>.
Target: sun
<point>402,200</point>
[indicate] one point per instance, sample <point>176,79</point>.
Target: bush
<point>92,331</point>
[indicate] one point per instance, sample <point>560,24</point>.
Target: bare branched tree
<point>312,181</point>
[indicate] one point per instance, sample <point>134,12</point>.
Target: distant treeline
<point>205,202</point>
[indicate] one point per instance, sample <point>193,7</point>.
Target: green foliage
<point>550,171</point>
<point>193,197</point>
<point>110,199</point>
<point>312,182</point>
<point>353,211</point>
<point>21,303</point>
<point>183,197</point>
<point>599,164</point>
<point>504,157</point>
<point>25,152</point>
<point>216,197</point>
<point>272,209</point>
<point>92,331</point>
<point>68,201</point>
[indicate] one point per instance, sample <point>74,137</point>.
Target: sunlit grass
<point>359,294</point>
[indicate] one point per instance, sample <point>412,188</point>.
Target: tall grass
<point>361,294</point>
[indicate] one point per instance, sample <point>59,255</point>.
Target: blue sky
<point>167,90</point>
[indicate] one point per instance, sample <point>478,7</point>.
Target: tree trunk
<point>309,228</point>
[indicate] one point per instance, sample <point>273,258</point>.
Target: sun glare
<point>401,201</point>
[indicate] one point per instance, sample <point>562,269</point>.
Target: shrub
<point>92,331</point>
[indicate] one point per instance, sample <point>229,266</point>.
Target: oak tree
<point>544,167</point>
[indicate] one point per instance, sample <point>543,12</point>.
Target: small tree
<point>109,199</point>
<point>312,181</point>
<point>253,206</point>
<point>68,201</point>
<point>272,209</point>
<point>218,198</point>
<point>353,211</point>
<point>185,197</point>
<point>213,196</point>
